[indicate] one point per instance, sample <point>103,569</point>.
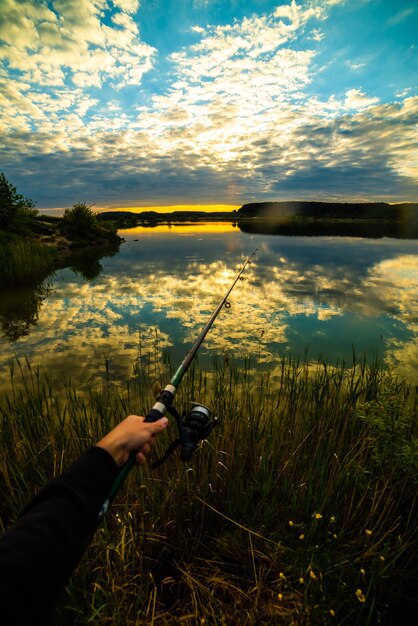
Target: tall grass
<point>301,508</point>
<point>24,260</point>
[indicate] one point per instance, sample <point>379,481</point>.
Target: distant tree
<point>80,218</point>
<point>13,206</point>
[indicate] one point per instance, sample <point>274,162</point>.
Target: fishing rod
<point>194,426</point>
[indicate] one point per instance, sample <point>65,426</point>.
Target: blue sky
<point>164,102</point>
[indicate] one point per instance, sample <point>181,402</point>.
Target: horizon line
<point>211,208</point>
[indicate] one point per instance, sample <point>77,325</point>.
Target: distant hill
<point>371,229</point>
<point>123,219</point>
<point>330,210</point>
<point>128,218</point>
<point>277,211</point>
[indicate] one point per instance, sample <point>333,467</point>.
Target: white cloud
<point>354,66</point>
<point>129,6</point>
<point>317,35</point>
<point>233,84</point>
<point>126,21</point>
<point>395,283</point>
<point>236,114</point>
<point>356,99</point>
<point>69,42</point>
<point>296,14</point>
<point>334,2</point>
<point>403,92</point>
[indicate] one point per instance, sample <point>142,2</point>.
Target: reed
<point>24,260</point>
<point>301,508</point>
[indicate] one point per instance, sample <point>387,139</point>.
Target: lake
<point>320,297</point>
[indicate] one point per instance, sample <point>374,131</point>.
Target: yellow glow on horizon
<point>180,229</point>
<point>170,208</point>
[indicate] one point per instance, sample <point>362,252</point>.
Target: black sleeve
<point>39,553</point>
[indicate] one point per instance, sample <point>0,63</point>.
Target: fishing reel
<point>193,427</point>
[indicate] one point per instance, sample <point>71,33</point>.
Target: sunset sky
<point>129,103</point>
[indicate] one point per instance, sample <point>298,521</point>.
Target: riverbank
<point>43,244</point>
<point>300,508</point>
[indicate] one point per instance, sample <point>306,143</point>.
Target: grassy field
<point>301,508</point>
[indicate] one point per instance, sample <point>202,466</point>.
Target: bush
<point>80,219</point>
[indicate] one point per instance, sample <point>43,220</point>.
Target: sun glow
<point>208,208</point>
<point>180,229</point>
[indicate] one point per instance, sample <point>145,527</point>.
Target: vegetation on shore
<point>23,260</point>
<point>367,219</point>
<point>371,211</point>
<point>33,245</point>
<point>301,508</point>
<point>128,219</point>
<point>283,212</point>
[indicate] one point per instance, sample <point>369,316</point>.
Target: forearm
<point>39,553</point>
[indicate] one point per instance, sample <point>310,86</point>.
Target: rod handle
<point>153,415</point>
<point>164,400</point>
<point>158,411</point>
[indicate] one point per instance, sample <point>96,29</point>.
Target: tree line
<point>16,211</point>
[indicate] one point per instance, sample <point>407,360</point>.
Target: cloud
<point>129,6</point>
<point>401,16</point>
<point>395,284</point>
<point>183,148</point>
<point>238,117</point>
<point>354,66</point>
<point>68,42</point>
<point>356,99</point>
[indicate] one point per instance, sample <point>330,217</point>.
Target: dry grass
<point>300,508</point>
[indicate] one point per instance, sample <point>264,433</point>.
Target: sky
<point>155,103</point>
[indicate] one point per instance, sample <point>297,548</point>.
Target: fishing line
<point>194,426</point>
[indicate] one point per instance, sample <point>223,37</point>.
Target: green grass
<point>23,261</point>
<point>26,259</point>
<point>301,508</point>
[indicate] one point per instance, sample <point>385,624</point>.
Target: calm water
<point>320,295</point>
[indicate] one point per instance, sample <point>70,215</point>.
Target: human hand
<point>133,434</point>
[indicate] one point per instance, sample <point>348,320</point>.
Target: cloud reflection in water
<point>325,293</point>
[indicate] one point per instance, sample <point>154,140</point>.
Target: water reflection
<point>188,228</point>
<point>20,307</point>
<point>401,229</point>
<point>325,294</point>
<point>86,263</point>
<point>19,311</point>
